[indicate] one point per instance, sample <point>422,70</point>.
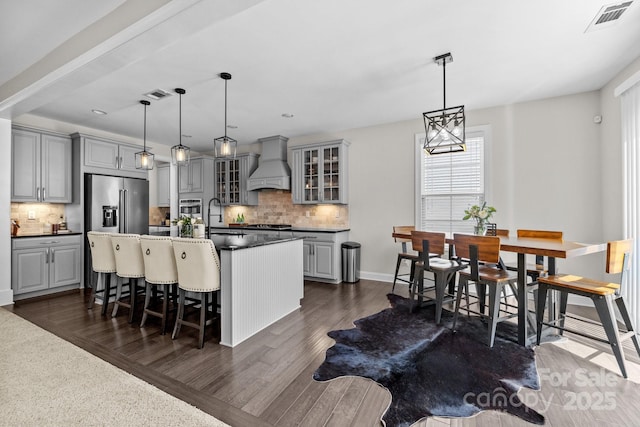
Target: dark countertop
<point>24,236</point>
<point>231,242</point>
<point>303,229</point>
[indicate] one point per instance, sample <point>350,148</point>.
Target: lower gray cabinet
<point>41,264</point>
<point>322,259</point>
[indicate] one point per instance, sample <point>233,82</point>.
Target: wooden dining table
<point>552,249</point>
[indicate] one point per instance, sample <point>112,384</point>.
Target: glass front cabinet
<point>320,173</point>
<point>231,177</point>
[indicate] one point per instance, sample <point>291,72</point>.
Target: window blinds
<point>450,184</point>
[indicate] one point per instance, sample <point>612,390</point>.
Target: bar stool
<point>159,271</point>
<point>103,263</point>
<point>404,255</point>
<point>603,295</point>
<point>129,265</point>
<point>483,254</point>
<point>198,267</point>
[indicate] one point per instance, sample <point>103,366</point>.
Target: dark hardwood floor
<point>267,380</point>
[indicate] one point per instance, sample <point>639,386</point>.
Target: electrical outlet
<point>307,213</point>
<point>32,215</point>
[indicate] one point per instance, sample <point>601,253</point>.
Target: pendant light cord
<point>225,110</point>
<point>180,120</point>
<point>144,133</point>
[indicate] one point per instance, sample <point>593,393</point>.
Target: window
<point>447,184</point>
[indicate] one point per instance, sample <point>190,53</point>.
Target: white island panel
<point>260,285</point>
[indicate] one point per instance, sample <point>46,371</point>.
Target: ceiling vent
<point>157,94</point>
<point>608,16</point>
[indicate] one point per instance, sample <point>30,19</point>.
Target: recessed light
<point>232,126</point>
<point>287,115</point>
<point>99,112</point>
<point>186,136</point>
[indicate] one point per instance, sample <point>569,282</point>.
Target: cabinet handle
<point>120,167</point>
<point>44,194</point>
<point>53,256</point>
<point>46,256</point>
<point>38,194</point>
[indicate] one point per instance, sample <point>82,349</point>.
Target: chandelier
<point>144,159</point>
<point>225,146</point>
<point>445,128</point>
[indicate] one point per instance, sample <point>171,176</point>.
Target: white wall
<point>6,294</point>
<point>544,173</point>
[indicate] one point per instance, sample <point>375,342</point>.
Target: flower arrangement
<point>481,214</point>
<point>185,225</point>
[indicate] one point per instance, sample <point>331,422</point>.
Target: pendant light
<point>445,128</point>
<point>225,146</point>
<point>144,159</point>
<point>180,154</point>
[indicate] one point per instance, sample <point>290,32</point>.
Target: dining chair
<point>603,294</point>
<point>160,271</point>
<point>412,257</point>
<point>483,255</point>
<point>103,263</point>
<point>129,265</point>
<point>198,268</point>
<point>431,248</point>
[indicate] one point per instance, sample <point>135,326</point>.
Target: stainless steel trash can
<point>350,262</point>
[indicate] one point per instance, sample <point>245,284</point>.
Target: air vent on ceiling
<point>157,94</point>
<point>608,16</point>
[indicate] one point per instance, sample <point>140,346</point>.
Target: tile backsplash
<point>44,214</point>
<point>276,207</point>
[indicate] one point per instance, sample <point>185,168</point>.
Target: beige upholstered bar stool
<point>103,263</point>
<point>129,265</point>
<point>199,272</point>
<point>159,271</point>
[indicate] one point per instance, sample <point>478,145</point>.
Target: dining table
<point>523,246</point>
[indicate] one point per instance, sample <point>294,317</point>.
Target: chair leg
<point>179,315</point>
<point>94,290</point>
<point>542,301</point>
<point>165,308</point>
<point>495,290</point>
<point>147,301</point>
<point>203,318</point>
<point>417,286</point>
<point>627,322</point>
<point>604,306</point>
<point>462,284</point>
<point>562,309</point>
<point>116,305</point>
<point>134,295</point>
<point>107,291</point>
<point>395,276</point>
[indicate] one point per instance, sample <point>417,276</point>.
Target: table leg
<point>523,308</point>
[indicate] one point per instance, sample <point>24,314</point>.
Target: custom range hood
<point>273,170</point>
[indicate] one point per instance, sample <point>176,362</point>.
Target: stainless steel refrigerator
<point>116,205</point>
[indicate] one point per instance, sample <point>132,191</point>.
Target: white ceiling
<point>334,64</point>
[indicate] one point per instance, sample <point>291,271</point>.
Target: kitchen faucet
<point>215,199</point>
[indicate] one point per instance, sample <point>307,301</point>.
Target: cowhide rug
<point>429,369</point>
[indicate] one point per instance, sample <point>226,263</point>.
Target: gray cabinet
<point>41,265</point>
<point>230,180</point>
<point>109,157</point>
<point>163,185</point>
<point>320,173</point>
<point>191,176</point>
<point>322,256</point>
<point>41,167</point>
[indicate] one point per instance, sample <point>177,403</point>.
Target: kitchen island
<point>261,282</point>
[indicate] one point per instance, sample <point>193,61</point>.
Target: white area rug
<point>46,381</point>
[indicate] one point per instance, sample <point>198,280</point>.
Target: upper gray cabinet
<point>320,173</point>
<point>109,157</point>
<point>164,185</point>
<point>41,166</point>
<point>231,177</point>
<point>191,176</point>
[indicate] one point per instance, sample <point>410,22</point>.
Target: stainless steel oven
<point>190,207</point>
